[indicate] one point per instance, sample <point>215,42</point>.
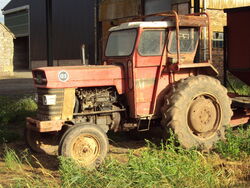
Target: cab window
<point>188,40</point>
<point>152,43</point>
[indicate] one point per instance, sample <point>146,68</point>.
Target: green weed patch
<point>168,166</point>
<point>236,85</point>
<point>237,144</point>
<point>14,110</point>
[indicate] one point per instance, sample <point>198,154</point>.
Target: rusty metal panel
<point>116,9</point>
<point>221,4</point>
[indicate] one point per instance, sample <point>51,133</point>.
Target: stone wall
<point>6,51</point>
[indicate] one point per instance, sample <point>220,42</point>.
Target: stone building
<point>6,51</point>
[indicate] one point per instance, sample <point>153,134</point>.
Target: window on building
<point>218,39</point>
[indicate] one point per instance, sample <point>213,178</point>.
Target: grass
<point>23,173</point>
<point>14,110</point>
<point>237,144</point>
<point>154,166</point>
<point>237,85</point>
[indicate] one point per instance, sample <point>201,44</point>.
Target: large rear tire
<point>86,144</point>
<point>198,110</point>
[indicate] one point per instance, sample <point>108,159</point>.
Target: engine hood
<point>79,76</point>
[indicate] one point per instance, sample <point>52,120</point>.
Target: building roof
<point>238,9</point>
<point>15,3</point>
<point>147,24</point>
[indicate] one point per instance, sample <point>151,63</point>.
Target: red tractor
<point>149,77</point>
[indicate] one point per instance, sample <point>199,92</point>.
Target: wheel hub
<point>203,114</point>
<point>86,149</point>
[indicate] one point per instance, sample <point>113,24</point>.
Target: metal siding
<point>16,3</point>
<point>73,25</point>
<point>37,30</point>
<point>18,23</point>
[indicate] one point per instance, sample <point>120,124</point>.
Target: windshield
<point>121,43</point>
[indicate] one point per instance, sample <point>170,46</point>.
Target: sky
<point>2,4</point>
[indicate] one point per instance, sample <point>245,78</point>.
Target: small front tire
<point>87,144</point>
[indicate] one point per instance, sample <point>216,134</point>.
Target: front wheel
<point>197,110</point>
<point>86,144</point>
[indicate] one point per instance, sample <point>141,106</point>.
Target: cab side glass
<point>152,43</point>
<point>188,40</point>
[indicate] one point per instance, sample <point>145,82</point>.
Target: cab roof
<point>144,24</point>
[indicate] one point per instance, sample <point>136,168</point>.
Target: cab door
<point>149,54</point>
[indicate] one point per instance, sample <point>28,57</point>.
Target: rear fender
<point>202,68</point>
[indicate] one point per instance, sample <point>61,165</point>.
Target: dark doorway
<point>21,53</point>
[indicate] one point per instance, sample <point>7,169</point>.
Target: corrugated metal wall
<point>73,25</point>
<point>18,23</point>
<point>221,4</point>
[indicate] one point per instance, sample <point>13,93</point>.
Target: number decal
<point>63,76</point>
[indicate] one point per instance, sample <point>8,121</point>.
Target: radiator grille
<point>53,112</point>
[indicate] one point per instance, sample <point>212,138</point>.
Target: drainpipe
<point>49,32</point>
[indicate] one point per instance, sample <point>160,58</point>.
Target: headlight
<point>39,77</point>
<point>49,100</point>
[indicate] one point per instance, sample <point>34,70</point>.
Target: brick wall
<point>6,51</point>
<point>218,21</point>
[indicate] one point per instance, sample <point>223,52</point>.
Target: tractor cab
<point>172,41</point>
<point>154,54</point>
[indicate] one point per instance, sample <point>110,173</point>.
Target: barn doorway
<point>21,53</point>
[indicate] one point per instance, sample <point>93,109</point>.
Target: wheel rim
<point>204,116</point>
<point>86,149</point>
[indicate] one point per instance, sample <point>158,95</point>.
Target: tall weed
<point>165,166</point>
<point>23,172</point>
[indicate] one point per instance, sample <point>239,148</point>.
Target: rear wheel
<point>197,110</point>
<point>42,142</point>
<point>86,144</point>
